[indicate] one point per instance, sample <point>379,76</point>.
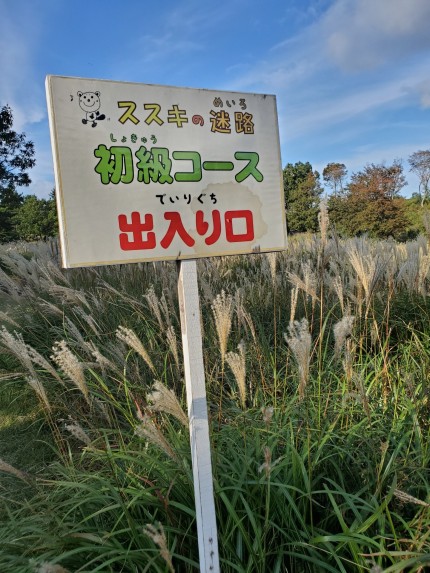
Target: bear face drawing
<point>89,102</point>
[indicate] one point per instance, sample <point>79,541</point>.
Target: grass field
<point>317,365</point>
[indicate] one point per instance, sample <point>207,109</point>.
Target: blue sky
<point>351,77</point>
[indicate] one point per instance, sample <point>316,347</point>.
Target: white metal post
<point>198,417</point>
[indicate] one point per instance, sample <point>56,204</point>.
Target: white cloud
<point>364,34</point>
<point>18,86</point>
<point>307,71</point>
<point>423,89</point>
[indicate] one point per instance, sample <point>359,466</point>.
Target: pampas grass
<point>319,447</point>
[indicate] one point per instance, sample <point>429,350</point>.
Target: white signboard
<point>146,172</point>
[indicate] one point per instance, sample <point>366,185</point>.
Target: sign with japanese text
<point>146,172</point>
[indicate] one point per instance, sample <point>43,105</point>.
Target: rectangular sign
<point>147,172</point>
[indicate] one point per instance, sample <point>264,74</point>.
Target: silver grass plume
<point>164,400</point>
<point>26,354</point>
<point>406,498</point>
<point>9,286</point>
<point>323,221</point>
<point>337,285</point>
<point>149,431</point>
<point>130,338</point>
<point>46,567</point>
<point>300,342</point>
<point>243,317</point>
<point>366,265</point>
<point>309,282</point>
<point>267,413</point>
<point>71,366</point>
<point>342,330</point>
<point>7,468</point>
<point>102,361</point>
<point>164,307</point>
<point>423,270</point>
<point>15,343</point>
<point>69,295</point>
<point>293,306</point>
<point>39,360</point>
<point>173,343</point>
<point>348,359</point>
<point>159,538</point>
<point>268,465</point>
<point>222,308</point>
<point>78,432</point>
<point>6,318</point>
<point>74,333</point>
<point>237,363</point>
<point>88,319</point>
<point>272,258</point>
<point>38,387</point>
<point>154,305</point>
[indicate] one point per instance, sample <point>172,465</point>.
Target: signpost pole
<point>198,416</point>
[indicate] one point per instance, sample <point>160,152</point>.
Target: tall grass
<point>317,362</point>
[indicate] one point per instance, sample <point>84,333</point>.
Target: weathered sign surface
<point>146,172</point>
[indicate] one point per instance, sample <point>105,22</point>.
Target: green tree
<point>36,218</point>
<point>10,202</point>
<point>302,191</point>
<point>16,158</point>
<point>334,174</point>
<point>371,203</point>
<point>420,165</point>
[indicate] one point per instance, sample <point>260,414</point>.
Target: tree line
<point>369,202</point>
<point>26,218</point>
